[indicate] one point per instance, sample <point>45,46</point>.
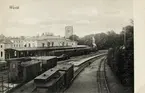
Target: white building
<point>42,41</point>
<point>32,42</point>
<point>48,41</point>
<point>17,42</point>
<point>4,44</point>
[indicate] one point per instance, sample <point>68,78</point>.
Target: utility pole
<point>124,37</point>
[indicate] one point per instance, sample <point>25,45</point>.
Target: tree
<point>87,40</point>
<point>132,21</point>
<point>74,38</point>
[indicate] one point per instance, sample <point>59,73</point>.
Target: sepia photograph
<point>66,46</point>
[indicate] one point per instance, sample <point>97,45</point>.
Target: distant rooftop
<point>48,48</point>
<point>46,37</point>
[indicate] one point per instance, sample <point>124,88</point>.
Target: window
<point>52,43</point>
<point>33,44</point>
<point>48,44</point>
<point>29,45</point>
<point>43,44</point>
<point>62,43</point>
<point>25,45</point>
<point>1,54</point>
<point>66,44</point>
<point>15,53</point>
<point>1,46</point>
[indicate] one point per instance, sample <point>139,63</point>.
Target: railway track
<point>33,88</point>
<point>77,58</point>
<point>101,78</point>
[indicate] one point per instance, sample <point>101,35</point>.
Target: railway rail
<point>101,78</point>
<point>83,66</point>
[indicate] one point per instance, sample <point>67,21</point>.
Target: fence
<point>4,82</point>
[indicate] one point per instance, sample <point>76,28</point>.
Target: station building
<point>48,41</point>
<point>32,46</point>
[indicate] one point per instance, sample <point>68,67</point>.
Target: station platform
<point>85,82</point>
<point>82,61</point>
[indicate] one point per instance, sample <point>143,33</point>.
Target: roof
<point>44,38</point>
<point>48,38</point>
<point>80,46</point>
<point>5,41</point>
<point>64,66</point>
<point>44,57</point>
<point>47,48</point>
<point>47,84</point>
<point>46,76</point>
<point>28,63</point>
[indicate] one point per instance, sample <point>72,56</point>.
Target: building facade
<point>42,42</point>
<point>4,44</point>
<point>17,42</point>
<point>48,41</point>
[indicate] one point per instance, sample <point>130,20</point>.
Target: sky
<point>86,16</point>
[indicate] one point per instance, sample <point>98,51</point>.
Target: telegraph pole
<point>124,37</point>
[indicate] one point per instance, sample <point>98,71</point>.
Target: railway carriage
<point>23,71</point>
<point>51,81</point>
<point>47,62</point>
<point>68,69</point>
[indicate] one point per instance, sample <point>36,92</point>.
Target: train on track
<point>55,80</point>
<point>59,78</point>
<point>22,71</point>
<point>27,68</point>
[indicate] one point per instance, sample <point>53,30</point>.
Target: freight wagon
<point>23,71</point>
<point>68,69</point>
<point>47,62</point>
<point>51,81</point>
<point>55,80</point>
<point>30,70</point>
